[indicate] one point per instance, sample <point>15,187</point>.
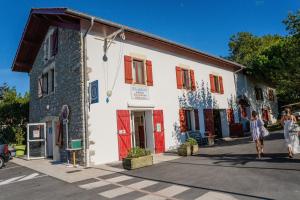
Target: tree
<point>14,113</point>
<point>272,58</point>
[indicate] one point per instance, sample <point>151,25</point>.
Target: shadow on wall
<point>201,98</point>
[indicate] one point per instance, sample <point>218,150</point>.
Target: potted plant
<point>137,157</point>
<point>194,145</point>
<point>19,147</point>
<point>185,149</point>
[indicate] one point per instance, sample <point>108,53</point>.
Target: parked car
<point>5,155</point>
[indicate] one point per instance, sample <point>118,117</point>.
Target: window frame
<point>135,74</point>
<point>217,84</point>
<point>186,79</point>
<point>48,86</point>
<point>48,45</point>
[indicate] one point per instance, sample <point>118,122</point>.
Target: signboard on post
<point>139,92</point>
<point>94,93</point>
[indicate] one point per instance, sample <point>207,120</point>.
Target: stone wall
<point>68,84</point>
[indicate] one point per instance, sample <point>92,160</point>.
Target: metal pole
<point>28,142</point>
<point>45,137</point>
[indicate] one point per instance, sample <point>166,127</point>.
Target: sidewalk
<point>71,174</point>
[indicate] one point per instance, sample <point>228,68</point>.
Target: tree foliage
<point>272,59</point>
<point>14,113</point>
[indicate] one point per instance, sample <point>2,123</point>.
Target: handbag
<point>264,131</point>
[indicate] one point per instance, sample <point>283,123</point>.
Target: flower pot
<point>20,150</point>
<point>195,149</point>
<point>184,150</point>
<point>134,163</point>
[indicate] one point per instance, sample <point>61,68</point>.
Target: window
<point>186,83</point>
<point>46,83</point>
<point>216,84</point>
<point>185,79</point>
<point>258,93</point>
<point>189,120</point>
<point>271,95</point>
<point>138,72</point>
<point>51,45</point>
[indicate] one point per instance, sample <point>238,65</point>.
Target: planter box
<point>134,163</point>
<point>184,150</point>
<point>195,149</point>
<point>20,150</point>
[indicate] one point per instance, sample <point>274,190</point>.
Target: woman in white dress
<point>256,125</point>
<point>291,137</point>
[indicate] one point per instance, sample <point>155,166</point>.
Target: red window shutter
<point>193,85</point>
<point>178,77</point>
<point>209,121</point>
<point>230,116</point>
<point>212,83</point>
<point>196,114</point>
<point>149,73</point>
<point>221,85</point>
<point>183,125</point>
<point>128,69</point>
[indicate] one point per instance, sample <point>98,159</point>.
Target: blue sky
<point>204,25</point>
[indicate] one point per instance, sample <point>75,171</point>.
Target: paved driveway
<point>228,171</point>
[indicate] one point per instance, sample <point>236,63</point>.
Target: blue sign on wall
<point>94,92</point>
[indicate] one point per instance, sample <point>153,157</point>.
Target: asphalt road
<point>229,169</point>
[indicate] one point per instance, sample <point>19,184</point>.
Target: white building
<point>146,91</point>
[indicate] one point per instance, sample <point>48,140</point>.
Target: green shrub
<point>185,145</point>
<point>275,127</point>
<point>192,141</point>
<point>137,152</point>
<point>19,134</point>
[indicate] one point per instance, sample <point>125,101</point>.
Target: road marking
<point>31,176</point>
<point>104,182</point>
<point>21,178</point>
<point>118,179</point>
<point>150,196</point>
<point>216,196</point>
<point>8,181</point>
<point>93,185</point>
<point>142,184</point>
<point>127,189</point>
<point>172,190</point>
<point>116,192</point>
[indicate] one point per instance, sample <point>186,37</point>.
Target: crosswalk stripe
<point>216,196</point>
<point>172,190</point>
<point>93,185</point>
<point>124,190</point>
<point>151,197</point>
<point>31,176</point>
<point>119,179</point>
<point>142,184</point>
<point>116,192</point>
<point>102,183</point>
<point>8,181</point>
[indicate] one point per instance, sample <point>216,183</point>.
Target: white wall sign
<point>36,133</point>
<point>139,92</point>
<point>158,127</point>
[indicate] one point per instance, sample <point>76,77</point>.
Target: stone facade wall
<point>68,84</point>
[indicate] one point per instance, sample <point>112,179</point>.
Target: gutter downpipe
<point>85,100</point>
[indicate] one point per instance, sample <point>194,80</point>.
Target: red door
<point>124,135</point>
<point>159,131</point>
<point>209,121</point>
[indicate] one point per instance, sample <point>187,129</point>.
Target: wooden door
<point>124,134</point>
<point>209,121</point>
<point>159,132</point>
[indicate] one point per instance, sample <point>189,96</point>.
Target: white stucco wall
<point>246,86</point>
<point>163,94</point>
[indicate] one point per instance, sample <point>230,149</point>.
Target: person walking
<point>256,127</point>
<point>291,132</point>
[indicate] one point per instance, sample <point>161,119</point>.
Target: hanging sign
<point>139,92</point>
<point>94,94</point>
